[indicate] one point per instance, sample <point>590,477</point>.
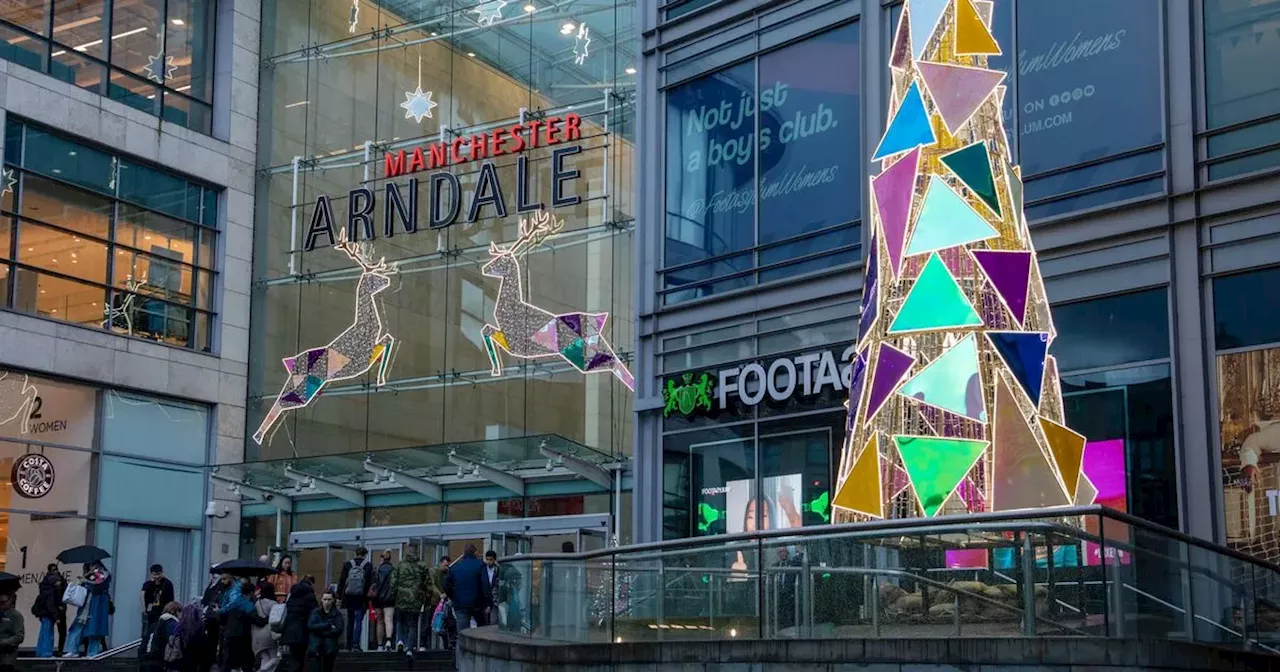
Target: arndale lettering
<point>444,190</point>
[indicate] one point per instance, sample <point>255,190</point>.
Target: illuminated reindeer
<point>17,398</point>
<point>355,351</point>
<point>527,331</point>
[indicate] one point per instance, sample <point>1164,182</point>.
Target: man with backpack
<point>410,585</point>
<point>384,601</point>
<point>354,585</point>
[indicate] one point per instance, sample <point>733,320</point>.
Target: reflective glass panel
<point>1111,330</point>
<point>1240,48</point>
<point>1242,309</point>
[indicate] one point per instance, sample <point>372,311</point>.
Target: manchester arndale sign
<point>444,195</point>
<point>806,374</point>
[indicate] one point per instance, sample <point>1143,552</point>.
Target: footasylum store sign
<point>444,197</point>
<point>780,380</point>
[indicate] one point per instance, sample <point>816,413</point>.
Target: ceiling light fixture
<point>568,27</point>
<point>530,8</point>
<point>630,71</point>
<point>297,104</point>
<point>472,54</point>
<point>178,22</point>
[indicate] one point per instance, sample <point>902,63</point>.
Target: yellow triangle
<point>972,36</point>
<point>1067,448</point>
<point>862,490</point>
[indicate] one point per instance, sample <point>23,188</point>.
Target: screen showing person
<point>774,505</point>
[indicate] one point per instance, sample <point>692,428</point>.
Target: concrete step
<point>430,661</point>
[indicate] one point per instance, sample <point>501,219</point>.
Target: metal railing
<point>1087,572</point>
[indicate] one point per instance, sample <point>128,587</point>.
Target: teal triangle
<point>924,15</point>
<point>972,165</point>
<point>946,221</point>
<point>1023,352</point>
<point>313,386</point>
<point>947,381</point>
<point>909,128</point>
<point>934,302</point>
<point>936,466</point>
<point>574,353</point>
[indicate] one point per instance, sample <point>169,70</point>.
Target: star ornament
<point>7,181</point>
<point>157,72</point>
<point>417,104</point>
<point>488,11</point>
<point>582,44</point>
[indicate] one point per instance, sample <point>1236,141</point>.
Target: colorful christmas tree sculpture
<point>955,404</point>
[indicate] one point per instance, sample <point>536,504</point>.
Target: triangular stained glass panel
<point>1009,273</point>
<point>972,165</point>
<point>958,90</point>
<point>857,380</point>
<point>934,302</point>
<point>862,487</point>
<point>946,220</point>
<point>894,189</point>
<point>1067,448</point>
<point>936,466</point>
<point>890,367</point>
<point>1023,352</point>
<point>574,354</point>
<point>900,57</point>
<point>951,381</point>
<point>909,128</point>
<point>1021,475</point>
<point>924,15</point>
<point>972,36</point>
<point>985,9</point>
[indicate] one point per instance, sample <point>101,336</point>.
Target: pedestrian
<point>326,630</point>
<point>282,581</point>
<point>237,615</point>
<point>493,583</point>
<point>354,585</point>
<point>265,650</point>
<point>198,651</point>
<point>465,585</point>
<point>49,609</point>
<point>212,602</point>
<point>409,595</point>
<point>384,602</point>
<point>155,594</point>
<point>92,620</point>
<point>439,574</point>
<point>11,633</point>
<point>295,635</point>
<point>156,640</point>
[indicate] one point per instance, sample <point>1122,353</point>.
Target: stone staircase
<point>430,661</point>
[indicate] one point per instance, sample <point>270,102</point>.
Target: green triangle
<point>972,165</point>
<point>935,302</point>
<point>574,353</point>
<point>936,466</point>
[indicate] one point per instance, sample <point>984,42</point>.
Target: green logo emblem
<point>709,515</point>
<point>689,396</point>
<point>820,506</point>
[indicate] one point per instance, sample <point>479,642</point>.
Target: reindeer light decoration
<point>17,399</point>
<point>526,331</point>
<point>355,351</point>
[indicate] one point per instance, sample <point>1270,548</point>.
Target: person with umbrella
<point>92,621</point>
<point>237,615</point>
<point>11,632</point>
<point>49,608</point>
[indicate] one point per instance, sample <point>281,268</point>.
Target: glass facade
<point>99,240</point>
<point>763,168</point>
<point>153,55</point>
<point>501,88</point>
<point>1242,90</point>
<point>63,483</point>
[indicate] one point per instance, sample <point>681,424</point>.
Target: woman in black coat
<point>295,635</point>
<point>237,615</point>
<point>326,627</point>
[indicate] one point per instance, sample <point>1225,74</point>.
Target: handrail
<point>908,526</point>
<point>109,653</point>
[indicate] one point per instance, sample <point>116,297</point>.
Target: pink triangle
<point>957,91</point>
<point>1010,274</point>
<point>891,366</point>
<point>894,188</point>
<point>901,56</point>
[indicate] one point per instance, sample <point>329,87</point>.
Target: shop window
<point>1111,330</point>
<point>1242,86</point>
<point>157,429</point>
<point>795,469</point>
<point>708,478</point>
<point>109,243</point>
<point>43,410</point>
<point>341,519</point>
<point>383,516</point>
<point>792,120</point>
<point>159,55</point>
<point>1244,309</point>
<point>174,496</point>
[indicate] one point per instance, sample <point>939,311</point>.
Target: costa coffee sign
<point>444,198</point>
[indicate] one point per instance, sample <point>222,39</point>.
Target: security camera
<point>211,510</point>
<point>266,496</point>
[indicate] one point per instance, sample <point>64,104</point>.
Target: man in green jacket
<point>11,633</point>
<point>409,585</point>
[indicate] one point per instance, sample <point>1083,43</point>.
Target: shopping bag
<point>437,619</point>
<point>75,595</point>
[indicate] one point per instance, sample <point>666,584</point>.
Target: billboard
<point>1249,434</point>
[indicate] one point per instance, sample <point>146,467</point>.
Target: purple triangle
<point>289,363</point>
<point>870,291</point>
<point>894,189</point>
<point>891,366</point>
<point>292,397</point>
<point>573,321</point>
<point>600,319</point>
<point>857,379</point>
<point>958,90</point>
<point>1010,274</point>
<point>600,359</point>
<point>901,58</point>
<point>313,356</point>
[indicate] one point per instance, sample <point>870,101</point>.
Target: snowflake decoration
<point>417,104</point>
<point>7,181</point>
<point>488,11</point>
<point>582,44</point>
<point>125,309</point>
<point>157,72</point>
<point>355,16</point>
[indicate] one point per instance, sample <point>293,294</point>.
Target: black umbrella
<point>242,568</point>
<point>82,555</point>
<point>9,583</point>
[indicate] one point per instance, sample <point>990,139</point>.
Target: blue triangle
<point>948,380</point>
<point>909,128</point>
<point>924,15</point>
<point>1023,352</point>
<point>946,220</point>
